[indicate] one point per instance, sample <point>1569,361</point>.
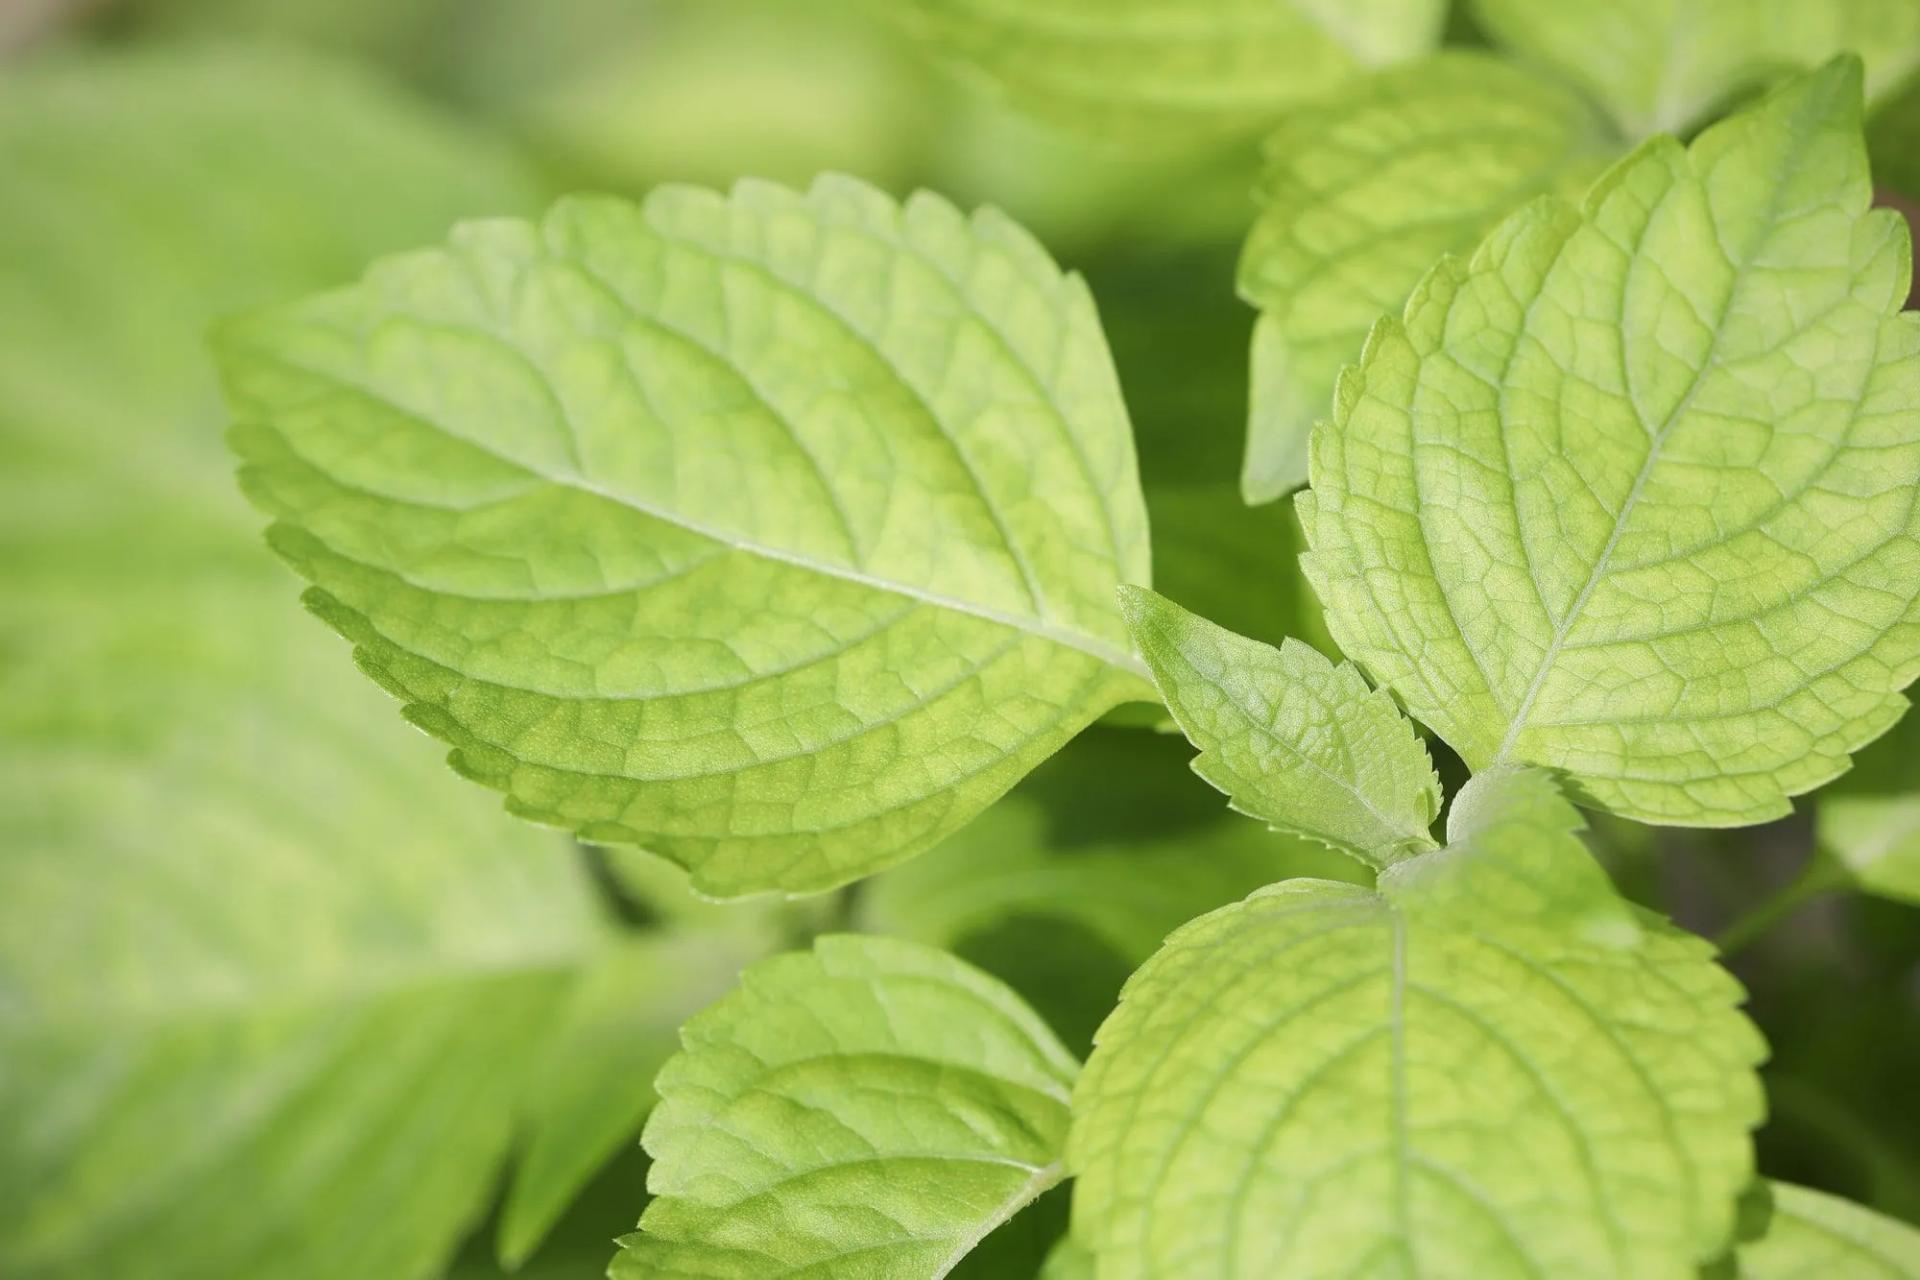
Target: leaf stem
<point>1820,876</point>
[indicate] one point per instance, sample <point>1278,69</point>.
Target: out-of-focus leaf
<point>1160,71</point>
<point>271,983</point>
<point>1869,821</point>
<point>1659,65</point>
<point>1815,1236</point>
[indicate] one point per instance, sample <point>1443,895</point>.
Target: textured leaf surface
<point>1487,1068</point>
<point>777,532</point>
<point>1364,189</point>
<point>872,1107</point>
<point>1659,65</point>
<point>1869,821</point>
<point>1815,1236</point>
<point>1304,745</point>
<point>1167,70</point>
<point>1632,492</point>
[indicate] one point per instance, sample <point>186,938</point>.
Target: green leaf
<point>777,532</point>
<point>1295,741</point>
<point>1631,492</point>
<point>1475,1070</point>
<point>592,1082</point>
<point>272,982</point>
<point>1363,190</point>
<point>871,1100</point>
<point>1815,1236</point>
<point>1166,71</point>
<point>1659,65</point>
<point>1869,821</point>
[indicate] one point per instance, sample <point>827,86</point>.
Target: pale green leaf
<point>1364,189</point>
<point>1295,741</point>
<point>776,532</point>
<point>1869,821</point>
<point>1660,65</point>
<point>269,986</point>
<point>1440,1078</point>
<point>871,1107</point>
<point>1815,1236</point>
<point>1166,71</point>
<point>1068,1261</point>
<point>1631,493</point>
<point>592,1080</point>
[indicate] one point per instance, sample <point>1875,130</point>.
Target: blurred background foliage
<point>279,996</point>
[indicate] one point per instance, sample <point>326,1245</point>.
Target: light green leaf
<point>1815,1236</point>
<point>871,1107</point>
<point>1295,741</point>
<point>269,984</point>
<point>1659,65</point>
<point>1632,492</point>
<point>1869,821</point>
<point>777,532</point>
<point>1436,1079</point>
<point>1068,1261</point>
<point>1363,190</point>
<point>592,1081</point>
<point>1167,71</point>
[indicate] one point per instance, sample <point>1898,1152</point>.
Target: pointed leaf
<point>869,1107</point>
<point>1300,743</point>
<point>1632,492</point>
<point>1430,1079</point>
<point>777,532</point>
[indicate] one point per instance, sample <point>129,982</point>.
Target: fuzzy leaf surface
<point>869,1107</point>
<point>1487,1067</point>
<point>777,532</point>
<point>1363,190</point>
<point>1634,492</point>
<point>1292,739</point>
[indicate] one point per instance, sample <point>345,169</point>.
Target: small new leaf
<point>776,532</point>
<point>1166,71</point>
<point>1439,1078</point>
<point>1292,739</point>
<point>1364,189</point>
<point>871,1107</point>
<point>1815,1236</point>
<point>1632,492</point>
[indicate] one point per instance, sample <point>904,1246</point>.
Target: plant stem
<point>1820,876</point>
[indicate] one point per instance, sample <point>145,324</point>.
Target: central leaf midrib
<point>1092,646</point>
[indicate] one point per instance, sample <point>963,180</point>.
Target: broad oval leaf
<point>870,1107</point>
<point>1294,740</point>
<point>1659,65</point>
<point>1498,1073</point>
<point>1632,492</point>
<point>1816,1236</point>
<point>1166,70</point>
<point>778,532</point>
<point>1363,190</point>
